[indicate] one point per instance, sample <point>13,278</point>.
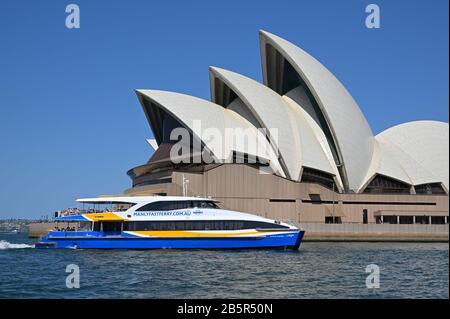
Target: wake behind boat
<point>156,222</point>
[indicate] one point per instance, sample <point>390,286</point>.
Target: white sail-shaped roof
<point>298,139</point>
<point>422,150</point>
<point>314,149</point>
<point>385,163</point>
<point>351,132</point>
<point>318,125</point>
<point>270,112</point>
<point>202,118</point>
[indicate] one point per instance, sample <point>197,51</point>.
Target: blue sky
<point>71,125</point>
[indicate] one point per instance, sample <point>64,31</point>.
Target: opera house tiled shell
<point>323,136</point>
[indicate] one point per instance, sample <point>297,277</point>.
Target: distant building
<point>325,164</point>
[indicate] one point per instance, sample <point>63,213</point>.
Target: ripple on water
<point>318,270</point>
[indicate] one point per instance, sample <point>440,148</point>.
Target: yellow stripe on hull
<point>103,217</point>
<point>184,233</point>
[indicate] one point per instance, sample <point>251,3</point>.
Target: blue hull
<point>290,240</point>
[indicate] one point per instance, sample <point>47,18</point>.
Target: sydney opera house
<point>324,165</point>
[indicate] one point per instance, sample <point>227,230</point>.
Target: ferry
<point>167,222</point>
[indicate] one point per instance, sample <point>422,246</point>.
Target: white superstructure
<point>137,211</point>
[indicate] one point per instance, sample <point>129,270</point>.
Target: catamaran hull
<point>289,240</point>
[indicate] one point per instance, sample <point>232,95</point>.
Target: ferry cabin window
<point>85,226</point>
<point>121,207</point>
<point>199,225</point>
<point>112,226</point>
<point>108,226</point>
<point>174,205</point>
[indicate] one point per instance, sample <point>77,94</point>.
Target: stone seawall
<point>375,232</point>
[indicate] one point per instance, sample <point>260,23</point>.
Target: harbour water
<point>318,270</point>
